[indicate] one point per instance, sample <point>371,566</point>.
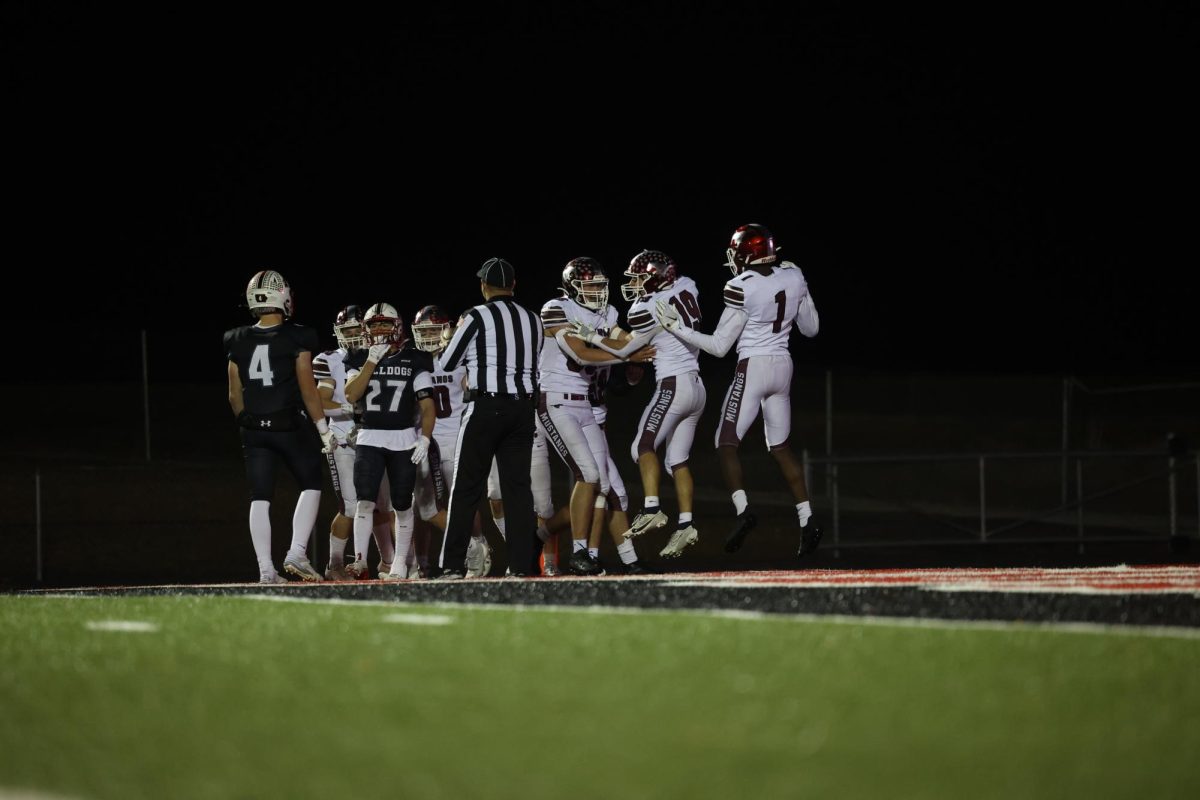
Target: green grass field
<point>237,697</point>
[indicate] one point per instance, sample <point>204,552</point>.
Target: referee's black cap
<point>497,272</point>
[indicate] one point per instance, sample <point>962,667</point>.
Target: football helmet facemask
<point>431,329</point>
<point>584,281</point>
<point>348,328</point>
<point>268,292</point>
<point>650,271</point>
<point>383,325</point>
<point>751,245</point>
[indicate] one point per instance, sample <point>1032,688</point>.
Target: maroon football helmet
<point>431,329</point>
<point>348,328</point>
<point>585,282</point>
<point>750,245</point>
<point>650,271</point>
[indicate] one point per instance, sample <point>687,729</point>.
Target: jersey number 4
<point>260,366</point>
<point>376,388</point>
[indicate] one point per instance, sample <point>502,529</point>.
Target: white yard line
<point>1161,631</point>
<point>121,626</point>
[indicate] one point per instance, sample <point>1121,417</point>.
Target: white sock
<point>384,541</point>
<point>594,552</point>
<point>651,502</point>
<point>363,514</point>
<point>404,530</point>
<point>337,551</point>
<point>500,527</point>
<point>260,534</point>
<point>626,552</point>
<point>739,501</point>
<point>578,544</point>
<point>303,520</point>
<point>685,518</point>
<point>804,511</point>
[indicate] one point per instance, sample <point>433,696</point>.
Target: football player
<point>394,384</point>
<point>674,410</point>
<point>431,331</point>
<point>329,369</point>
<point>275,400</point>
<point>564,412</point>
<point>762,303</point>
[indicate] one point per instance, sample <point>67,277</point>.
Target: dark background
<point>984,200</point>
<point>967,190</point>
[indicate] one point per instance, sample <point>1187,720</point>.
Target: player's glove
<point>328,443</point>
<point>586,332</point>
<point>377,352</point>
<point>667,316</point>
<point>347,409</point>
<point>420,449</point>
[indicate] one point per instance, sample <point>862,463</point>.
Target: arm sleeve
<point>639,340</point>
<point>807,320</point>
<point>320,366</point>
<point>458,343</point>
<point>561,338</point>
<point>729,327</point>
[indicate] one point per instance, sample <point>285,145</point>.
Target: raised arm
<point>718,343</point>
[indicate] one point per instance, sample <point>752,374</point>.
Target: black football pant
<point>300,451</point>
<point>501,427</point>
<point>369,465</point>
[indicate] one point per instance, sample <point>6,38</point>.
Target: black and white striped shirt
<point>499,343</point>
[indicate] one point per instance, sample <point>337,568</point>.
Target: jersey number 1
<point>781,301</point>
<point>260,366</point>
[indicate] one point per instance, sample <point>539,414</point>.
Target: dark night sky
<point>972,191</point>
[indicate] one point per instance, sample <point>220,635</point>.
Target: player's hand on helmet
<point>667,316</point>
<point>420,449</point>
<point>377,352</point>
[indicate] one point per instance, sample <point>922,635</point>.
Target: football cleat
<point>271,578</point>
<point>299,566</point>
<point>357,570</point>
<point>337,574</point>
<point>810,538</point>
<point>582,563</point>
<point>680,539</point>
<point>550,570</point>
<point>646,521</point>
<point>479,558</point>
<point>384,569</point>
<point>640,568</point>
<point>394,575</point>
<point>451,575</point>
<point>745,523</point>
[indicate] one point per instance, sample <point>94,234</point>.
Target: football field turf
<point>245,697</point>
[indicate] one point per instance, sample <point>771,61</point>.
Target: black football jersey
<point>266,362</point>
<point>398,382</point>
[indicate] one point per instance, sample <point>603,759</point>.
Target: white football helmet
<point>383,325</point>
<point>268,290</point>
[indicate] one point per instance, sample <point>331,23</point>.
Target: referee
<point>499,343</point>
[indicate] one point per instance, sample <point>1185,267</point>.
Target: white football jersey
<point>559,373</point>
<point>771,303</point>
<point>331,366</point>
<point>447,396</point>
<point>674,357</point>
